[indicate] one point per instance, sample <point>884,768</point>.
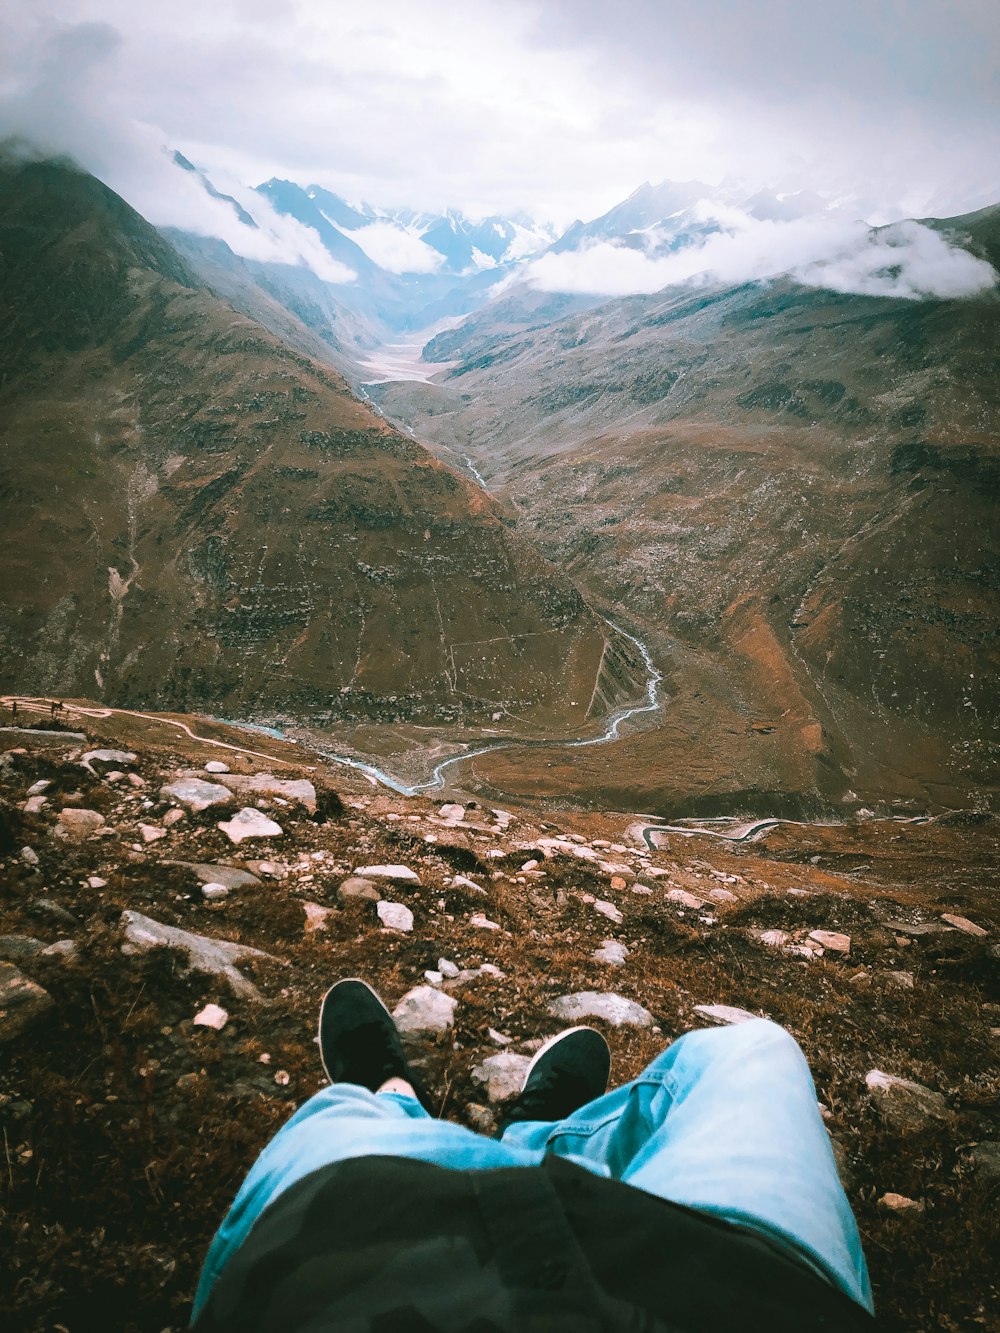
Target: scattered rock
<point>216,957</point>
<point>685,899</point>
<point>447,968</point>
<point>356,887</point>
<point>481,1118</point>
<point>212,1016</point>
<point>395,916</point>
<point>216,766</point>
<point>96,882</point>
<point>151,833</point>
<point>609,910</point>
<point>249,823</point>
<point>19,948</point>
<point>915,929</point>
<point>774,939</point>
<point>76,825</point>
<point>614,1009</point>
<point>316,916</point>
<point>899,1203</point>
<point>899,980</point>
<point>424,1011</point>
<point>984,1158</point>
<point>107,759</point>
<point>503,1075</point>
<point>832,940</point>
<point>903,1103</point>
<point>66,949</point>
<point>37,788</point>
<point>452,812</point>
<point>214,892</point>
<point>29,856</point>
<point>22,1002</point>
<point>964,924</point>
<point>611,952</point>
<point>398,874</point>
<point>50,910</point>
<point>481,922</point>
<point>172,817</point>
<point>209,873</point>
<point>433,978</point>
<point>299,791</point>
<point>724,1014</point>
<point>722,895</point>
<point>460,882</point>
<point>196,795</point>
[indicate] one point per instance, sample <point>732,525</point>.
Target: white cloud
<point>907,260</point>
<point>395,248</point>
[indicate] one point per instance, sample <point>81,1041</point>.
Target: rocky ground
<point>172,911</point>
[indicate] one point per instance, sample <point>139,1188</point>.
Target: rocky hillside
<point>792,491</point>
<point>174,900</point>
<point>200,516</point>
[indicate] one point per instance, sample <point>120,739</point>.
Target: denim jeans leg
<point>725,1120</point>
<point>339,1122</point>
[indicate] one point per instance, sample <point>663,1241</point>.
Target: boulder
<point>249,823</point>
<point>76,825</point>
<point>214,892</point>
<point>614,1009</point>
<point>482,922</point>
<point>65,949</point>
<point>299,791</point>
<point>832,940</point>
<point>609,910</point>
<point>452,812</point>
<point>395,916</point>
<point>22,1002</point>
<point>212,1016</point>
<point>19,948</point>
<point>34,805</point>
<point>984,1158</point>
<point>316,916</point>
<point>425,1012</point>
<point>503,1075</point>
<point>152,832</point>
<point>963,924</point>
<point>684,899</point>
<point>107,759</point>
<point>904,1103</point>
<point>204,954</point>
<point>196,795</point>
<point>216,766</point>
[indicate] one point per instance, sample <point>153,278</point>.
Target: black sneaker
<point>358,1040</point>
<point>570,1070</point>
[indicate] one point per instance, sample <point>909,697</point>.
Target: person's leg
<point>725,1121</point>
<point>339,1122</point>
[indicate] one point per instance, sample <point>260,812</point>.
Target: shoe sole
<point>344,981</point>
<point>554,1041</point>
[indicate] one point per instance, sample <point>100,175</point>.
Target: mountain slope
<point>793,491</point>
<point>198,514</point>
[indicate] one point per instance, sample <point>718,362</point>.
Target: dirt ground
<point>126,1129</point>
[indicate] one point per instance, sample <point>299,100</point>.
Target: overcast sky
<point>557,107</point>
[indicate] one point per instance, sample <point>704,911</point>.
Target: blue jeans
<point>725,1120</point>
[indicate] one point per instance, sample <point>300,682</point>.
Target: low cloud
<point>396,249</point>
<point>728,246</point>
<point>64,103</point>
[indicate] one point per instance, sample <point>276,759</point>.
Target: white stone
<point>29,856</point>
<point>453,812</point>
<point>151,833</point>
<point>774,939</point>
<point>609,910</point>
<point>482,922</point>
<point>216,766</point>
<point>249,823</point>
<point>67,949</point>
<point>96,882</point>
<point>214,891</point>
<point>611,952</point>
<point>447,968</point>
<point>398,874</point>
<point>722,895</point>
<point>502,1074</point>
<point>724,1014</point>
<point>614,1009</point>
<point>394,916</point>
<point>216,957</point>
<point>832,940</point>
<point>116,757</point>
<point>212,1016</point>
<point>424,1012</point>
<point>643,889</point>
<point>433,978</point>
<point>37,788</point>
<point>298,790</point>
<point>195,794</point>
<point>460,882</point>
<point>34,805</point>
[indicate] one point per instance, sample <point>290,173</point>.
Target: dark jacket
<point>398,1246</point>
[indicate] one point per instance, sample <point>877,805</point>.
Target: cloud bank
<point>906,260</point>
<point>396,249</point>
